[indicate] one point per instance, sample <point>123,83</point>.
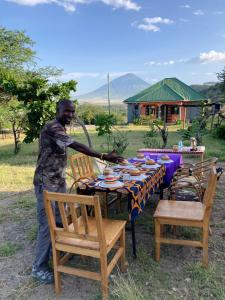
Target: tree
<point>221,77</point>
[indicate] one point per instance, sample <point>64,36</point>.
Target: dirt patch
<point>179,274</point>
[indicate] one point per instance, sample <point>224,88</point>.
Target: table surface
<point>185,150</point>
<point>138,190</point>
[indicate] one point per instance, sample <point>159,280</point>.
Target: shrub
<point>178,122</point>
<point>152,132</point>
<point>151,142</point>
<point>120,142</point>
<point>219,132</point>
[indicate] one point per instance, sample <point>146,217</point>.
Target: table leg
<point>133,238</point>
<point>161,192</point>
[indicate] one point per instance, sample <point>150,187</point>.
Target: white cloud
<point>164,63</point>
<point>219,12</point>
<point>149,24</point>
<point>186,6</point>
<point>127,4</point>
<point>70,5</point>
<point>76,75</point>
<point>198,12</point>
<point>212,57</point>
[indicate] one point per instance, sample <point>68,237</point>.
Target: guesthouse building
<point>170,100</point>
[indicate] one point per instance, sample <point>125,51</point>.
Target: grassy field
<point>179,274</point>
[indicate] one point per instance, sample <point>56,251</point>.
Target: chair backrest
<point>80,226</point>
<point>202,170</point>
<point>81,165</point>
<point>210,189</point>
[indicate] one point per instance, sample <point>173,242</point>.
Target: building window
<point>175,110</point>
<point>149,110</point>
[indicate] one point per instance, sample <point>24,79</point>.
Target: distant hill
<point>210,90</point>
<point>120,89</point>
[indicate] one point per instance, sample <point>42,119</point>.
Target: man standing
<point>50,175</point>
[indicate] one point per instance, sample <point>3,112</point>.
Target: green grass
<point>32,233</point>
<point>17,170</point>
<point>8,249</point>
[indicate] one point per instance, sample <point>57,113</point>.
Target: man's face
<point>66,113</point>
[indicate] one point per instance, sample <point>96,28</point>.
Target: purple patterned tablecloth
<point>171,167</point>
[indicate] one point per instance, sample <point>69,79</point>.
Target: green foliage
<point>143,120</point>
<point>197,129</point>
<point>219,132</point>
<point>16,49</point>
<point>104,123</point>
<point>120,142</point>
<point>39,97</point>
<point>152,132</point>
<point>8,249</point>
<point>89,112</point>
<point>221,77</point>
<point>178,122</point>
<point>150,142</point>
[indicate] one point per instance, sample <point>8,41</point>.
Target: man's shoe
<point>44,276</point>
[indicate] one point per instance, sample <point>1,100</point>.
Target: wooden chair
<point>88,236</point>
<point>192,214</point>
<point>83,167</point>
<point>190,183</point>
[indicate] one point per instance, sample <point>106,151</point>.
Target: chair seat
<point>193,211</point>
<point>112,229</point>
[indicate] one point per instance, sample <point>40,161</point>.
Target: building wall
<point>132,113</point>
<point>193,112</point>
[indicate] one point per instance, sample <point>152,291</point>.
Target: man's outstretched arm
<point>111,157</point>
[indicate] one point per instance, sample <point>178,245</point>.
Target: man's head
<point>65,111</point>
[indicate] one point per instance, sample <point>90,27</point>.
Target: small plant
<point>219,132</point>
<point>8,249</point>
<point>152,132</point>
<point>151,142</point>
<point>120,142</point>
<point>137,121</point>
<point>178,122</point>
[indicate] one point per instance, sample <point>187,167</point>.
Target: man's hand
<point>113,157</point>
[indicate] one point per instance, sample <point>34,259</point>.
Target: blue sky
<point>151,38</point>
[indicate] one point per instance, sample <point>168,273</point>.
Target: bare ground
<point>179,274</point>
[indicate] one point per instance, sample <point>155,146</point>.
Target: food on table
<point>110,179</point>
<point>175,148</point>
<point>150,162</point>
<point>165,157</point>
<point>107,171</point>
<point>134,172</point>
<point>124,162</point>
<point>140,155</point>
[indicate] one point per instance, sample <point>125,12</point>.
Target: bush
<point>152,131</point>
<point>178,122</point>
<point>151,142</point>
<point>219,132</point>
<point>120,142</point>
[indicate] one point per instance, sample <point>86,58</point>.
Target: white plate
<point>165,161</point>
<point>125,167</point>
<point>140,177</point>
<point>101,176</point>
<point>117,184</point>
<point>139,159</point>
<point>156,166</point>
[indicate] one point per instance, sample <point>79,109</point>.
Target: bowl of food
<point>124,162</point>
<point>150,162</point>
<point>165,157</point>
<point>134,172</point>
<point>140,155</point>
<point>107,171</point>
<point>110,179</point>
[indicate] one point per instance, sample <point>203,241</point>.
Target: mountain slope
<point>120,89</point>
<point>211,91</point>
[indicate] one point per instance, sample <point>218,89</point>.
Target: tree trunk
<point>16,139</point>
<point>81,123</point>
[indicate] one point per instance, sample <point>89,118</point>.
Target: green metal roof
<point>168,89</point>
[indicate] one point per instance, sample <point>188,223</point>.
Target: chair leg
<point>205,237</point>
<point>57,275</point>
<point>122,244</point>
<point>157,240</point>
<point>105,280</point>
